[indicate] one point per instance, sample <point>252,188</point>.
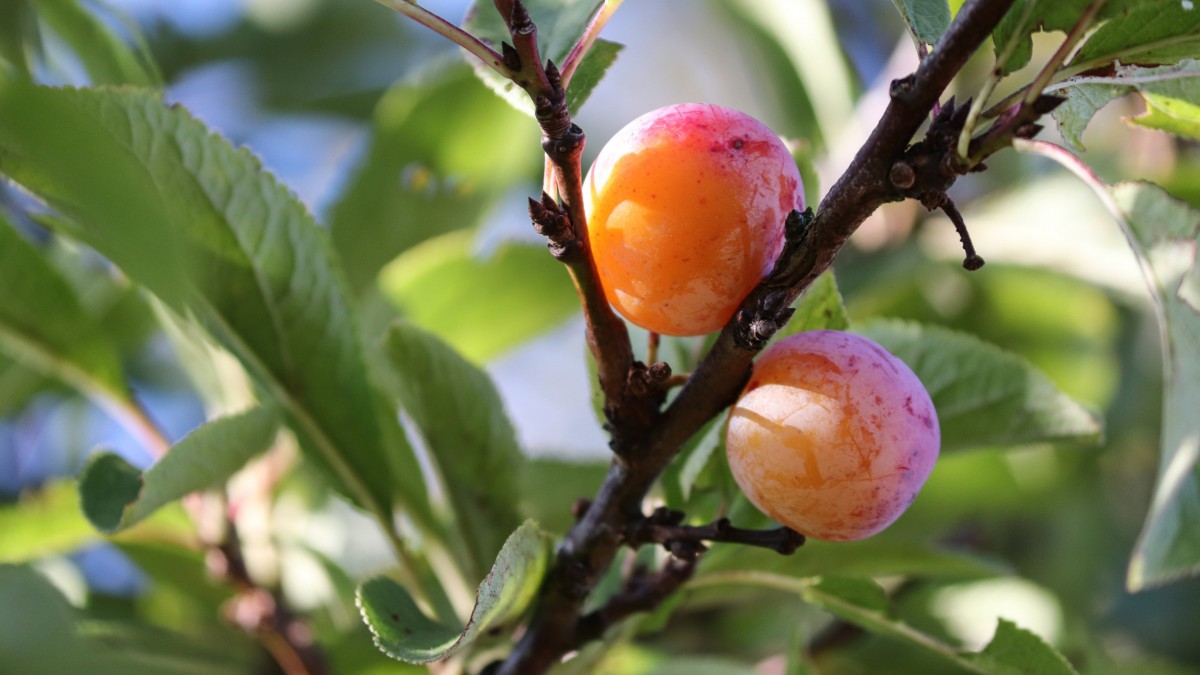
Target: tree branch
<point>590,546</point>
<point>686,541</point>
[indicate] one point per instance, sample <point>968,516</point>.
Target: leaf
<point>442,150</point>
<point>106,57</point>
<point>926,19</point>
<point>1014,650</point>
<point>43,522</point>
<point>1143,31</point>
<point>590,71</point>
<point>481,305</point>
<point>402,632</point>
<point>204,228</point>
<point>984,396</point>
<point>1172,95</point>
<point>461,416</point>
<point>116,496</point>
<point>863,603</point>
<point>874,557</point>
<point>560,24</point>
<point>548,487</point>
<point>1026,17</point>
<point>820,307</point>
<point>67,343</point>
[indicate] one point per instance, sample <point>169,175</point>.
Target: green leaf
<point>590,71</point>
<point>202,226</point>
<point>461,416</point>
<point>106,57</point>
<point>1014,651</point>
<point>820,307</point>
<point>863,603</point>
<point>481,305</point>
<point>548,487</point>
<point>442,149</point>
<point>926,19</point>
<point>43,522</point>
<point>874,557</point>
<point>1026,17</point>
<point>984,396</point>
<point>1172,95</point>
<point>116,496</point>
<point>67,343</point>
<point>403,632</point>
<point>1165,234</point>
<point>560,24</point>
<point>1142,31</point>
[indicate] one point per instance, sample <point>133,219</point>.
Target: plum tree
<point>833,436</point>
<point>686,206</point>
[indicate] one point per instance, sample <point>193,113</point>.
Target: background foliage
<point>154,274</point>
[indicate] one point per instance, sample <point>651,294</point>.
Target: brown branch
<point>589,548</point>
<point>686,541</point>
<point>642,592</point>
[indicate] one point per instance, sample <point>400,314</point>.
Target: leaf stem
<point>451,32</point>
<point>581,48</point>
<point>1060,56</point>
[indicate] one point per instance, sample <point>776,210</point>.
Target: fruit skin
<point>833,436</point>
<point>686,207</point>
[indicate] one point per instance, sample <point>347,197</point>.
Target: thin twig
<point>1060,56</point>
<point>451,32</point>
<point>686,541</point>
<point>584,45</point>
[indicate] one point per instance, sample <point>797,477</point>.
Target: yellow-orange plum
<point>833,436</point>
<point>685,208</point>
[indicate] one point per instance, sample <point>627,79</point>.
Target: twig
<point>451,32</point>
<point>581,48</point>
<point>686,541</point>
<point>643,592</point>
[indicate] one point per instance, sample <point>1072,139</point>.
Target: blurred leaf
<point>1172,95</point>
<point>590,71</point>
<point>706,665</point>
<point>1165,234</point>
<point>461,416</point>
<point>874,557</point>
<point>863,603</point>
<point>548,488</point>
<point>16,31</point>
<point>67,342</point>
<point>481,305</point>
<point>116,496</point>
<point>820,307</point>
<point>42,522</point>
<point>1142,31</point>
<point>106,57</point>
<point>560,24</point>
<point>19,384</point>
<point>984,396</point>
<point>1014,650</point>
<point>40,634</point>
<point>403,632</point>
<point>202,226</point>
<point>442,149</point>
<point>926,19</point>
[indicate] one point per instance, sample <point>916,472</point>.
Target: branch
<point>590,546</point>
<point>685,541</point>
<point>451,32</point>
<point>642,592</point>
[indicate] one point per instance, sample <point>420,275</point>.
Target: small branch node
<point>512,60</point>
<point>552,222</point>
<point>901,89</point>
<point>902,175</point>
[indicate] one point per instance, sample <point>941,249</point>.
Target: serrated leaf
<point>481,304</point>
<point>442,149</point>
<point>1014,651</point>
<point>205,228</point>
<point>590,71</point>
<point>67,343</point>
<point>984,396</point>
<point>1083,102</point>
<point>115,495</point>
<point>461,416</point>
<point>1172,95</point>
<point>1165,233</point>
<point>1143,31</point>
<point>107,58</point>
<point>403,632</point>
<point>43,522</point>
<point>926,19</point>
<point>560,24</point>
